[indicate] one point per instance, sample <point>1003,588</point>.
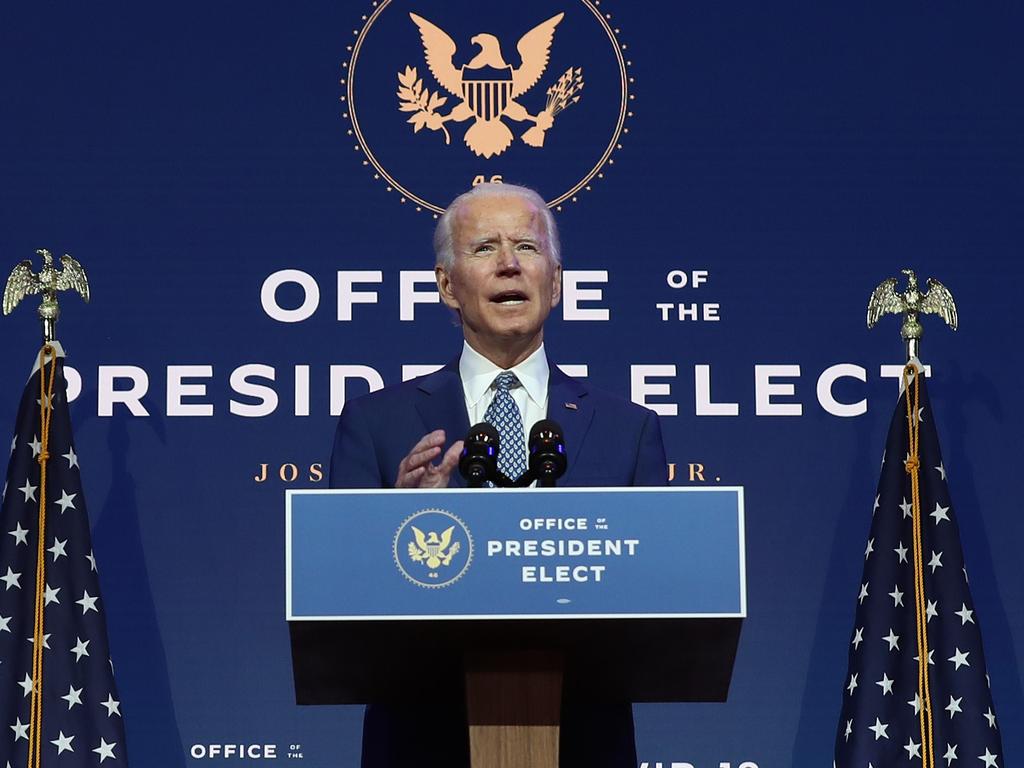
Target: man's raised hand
<point>417,469</point>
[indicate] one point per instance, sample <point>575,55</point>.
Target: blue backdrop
<point>792,157</point>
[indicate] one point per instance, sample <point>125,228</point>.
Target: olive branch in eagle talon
<point>413,97</point>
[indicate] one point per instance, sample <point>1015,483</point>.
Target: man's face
<point>503,281</point>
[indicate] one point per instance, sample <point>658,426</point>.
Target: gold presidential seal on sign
<point>432,548</point>
<point>445,95</point>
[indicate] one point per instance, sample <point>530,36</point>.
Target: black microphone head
<point>547,451</point>
<point>546,429</point>
<point>483,432</point>
<point>479,460</point>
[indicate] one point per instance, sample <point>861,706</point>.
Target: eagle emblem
<point>937,300</point>
<point>487,87</point>
<point>23,281</point>
<point>431,549</point>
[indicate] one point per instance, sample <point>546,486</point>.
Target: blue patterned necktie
<point>503,414</point>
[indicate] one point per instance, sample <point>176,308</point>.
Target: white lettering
<point>764,389</point>
<point>132,398</point>
<point>640,389</point>
<point>340,374</point>
<point>702,393</point>
<point>74,380</point>
<point>827,399</point>
<point>310,300</point>
<point>177,389</point>
<point>576,371</point>
<point>413,371</point>
<point>409,297</point>
<point>266,395</point>
<point>572,295</point>
<point>302,390</point>
<point>347,296</point>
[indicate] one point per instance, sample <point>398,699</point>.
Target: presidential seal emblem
<point>432,548</point>
<point>444,95</point>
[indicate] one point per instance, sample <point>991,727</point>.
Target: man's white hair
<point>444,252</point>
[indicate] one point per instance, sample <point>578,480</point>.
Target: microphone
<point>478,462</point>
<point>547,453</point>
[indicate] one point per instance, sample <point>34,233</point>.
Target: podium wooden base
<point>513,703</point>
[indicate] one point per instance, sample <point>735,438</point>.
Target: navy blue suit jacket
<point>608,441</point>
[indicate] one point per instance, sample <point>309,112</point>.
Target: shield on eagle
<point>487,90</point>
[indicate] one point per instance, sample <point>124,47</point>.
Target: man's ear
<point>444,287</point>
<point>556,285</point>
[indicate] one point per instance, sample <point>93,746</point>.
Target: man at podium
<point>498,267</point>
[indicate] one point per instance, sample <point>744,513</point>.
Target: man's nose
<point>508,260</point>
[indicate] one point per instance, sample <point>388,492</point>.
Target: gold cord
<point>47,356</point>
<point>913,467</point>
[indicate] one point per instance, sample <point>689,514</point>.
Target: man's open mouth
<point>509,298</point>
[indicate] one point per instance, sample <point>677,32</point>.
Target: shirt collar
<point>477,373</point>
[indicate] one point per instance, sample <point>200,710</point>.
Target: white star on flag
<point>80,649</point>
<point>58,548</point>
<point>940,513</point>
<point>988,758</point>
<point>960,659</point>
<point>913,749</point>
<point>19,534</point>
<point>87,602</point>
<point>896,595</point>
<point>29,490</point>
<point>954,706</point>
<point>63,743</point>
<point>893,640</point>
<point>73,696</point>
<point>50,595</point>
<point>113,706</point>
<point>105,750</point>
<point>950,755</point>
<point>20,730</point>
<point>886,684</point>
<point>12,579</point>
<point>66,500</point>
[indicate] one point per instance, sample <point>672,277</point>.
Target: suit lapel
<point>569,407</point>
<point>441,404</point>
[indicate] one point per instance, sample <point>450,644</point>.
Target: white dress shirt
<point>478,374</point>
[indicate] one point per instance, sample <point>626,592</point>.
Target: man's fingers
<point>411,479</point>
<point>420,458</point>
<point>451,458</point>
<point>433,439</point>
<point>413,468</point>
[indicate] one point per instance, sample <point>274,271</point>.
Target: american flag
<point>81,709</point>
<point>880,723</point>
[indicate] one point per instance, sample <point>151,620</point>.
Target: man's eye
<point>486,248</point>
<point>527,247</point>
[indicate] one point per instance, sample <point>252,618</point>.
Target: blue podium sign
<point>515,554</point>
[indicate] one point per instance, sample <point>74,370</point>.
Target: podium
<point>512,596</point>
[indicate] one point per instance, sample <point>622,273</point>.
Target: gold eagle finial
<point>23,281</point>
<point>937,300</point>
